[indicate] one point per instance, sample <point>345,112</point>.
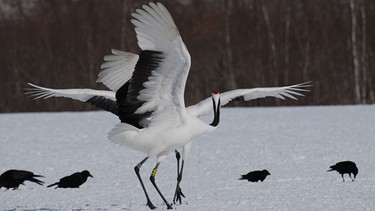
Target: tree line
<point>233,44</point>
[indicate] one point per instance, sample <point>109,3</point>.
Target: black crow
<point>345,167</point>
<point>72,181</point>
<point>13,178</point>
<point>255,176</point>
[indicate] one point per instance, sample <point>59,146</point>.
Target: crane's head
<point>216,98</point>
<point>215,95</point>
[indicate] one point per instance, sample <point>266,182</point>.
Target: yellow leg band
<point>154,172</point>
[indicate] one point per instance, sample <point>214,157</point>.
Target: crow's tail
<point>52,184</point>
<point>242,177</point>
<point>36,180</point>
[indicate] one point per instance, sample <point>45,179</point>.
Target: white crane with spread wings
<point>147,94</point>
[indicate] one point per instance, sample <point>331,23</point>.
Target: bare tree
<point>228,48</point>
<point>356,67</point>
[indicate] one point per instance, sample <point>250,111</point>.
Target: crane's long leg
<point>136,169</point>
<point>178,193</point>
<point>152,178</point>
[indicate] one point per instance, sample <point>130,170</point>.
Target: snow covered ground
<point>295,144</point>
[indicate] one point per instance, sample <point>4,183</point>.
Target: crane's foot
<point>177,195</point>
<point>150,205</point>
<point>169,206</point>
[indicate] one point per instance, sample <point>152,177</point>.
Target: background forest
<point>233,44</point>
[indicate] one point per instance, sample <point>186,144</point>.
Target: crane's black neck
<point>216,120</point>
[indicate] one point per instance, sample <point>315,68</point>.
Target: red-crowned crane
<point>148,94</point>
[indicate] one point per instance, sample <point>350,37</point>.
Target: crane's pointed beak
<point>216,107</point>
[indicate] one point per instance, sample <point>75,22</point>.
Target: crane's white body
<point>161,139</point>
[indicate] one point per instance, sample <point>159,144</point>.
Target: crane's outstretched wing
<point>100,98</point>
<point>158,81</point>
<point>205,106</point>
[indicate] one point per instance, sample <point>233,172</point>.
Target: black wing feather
<point>127,95</point>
